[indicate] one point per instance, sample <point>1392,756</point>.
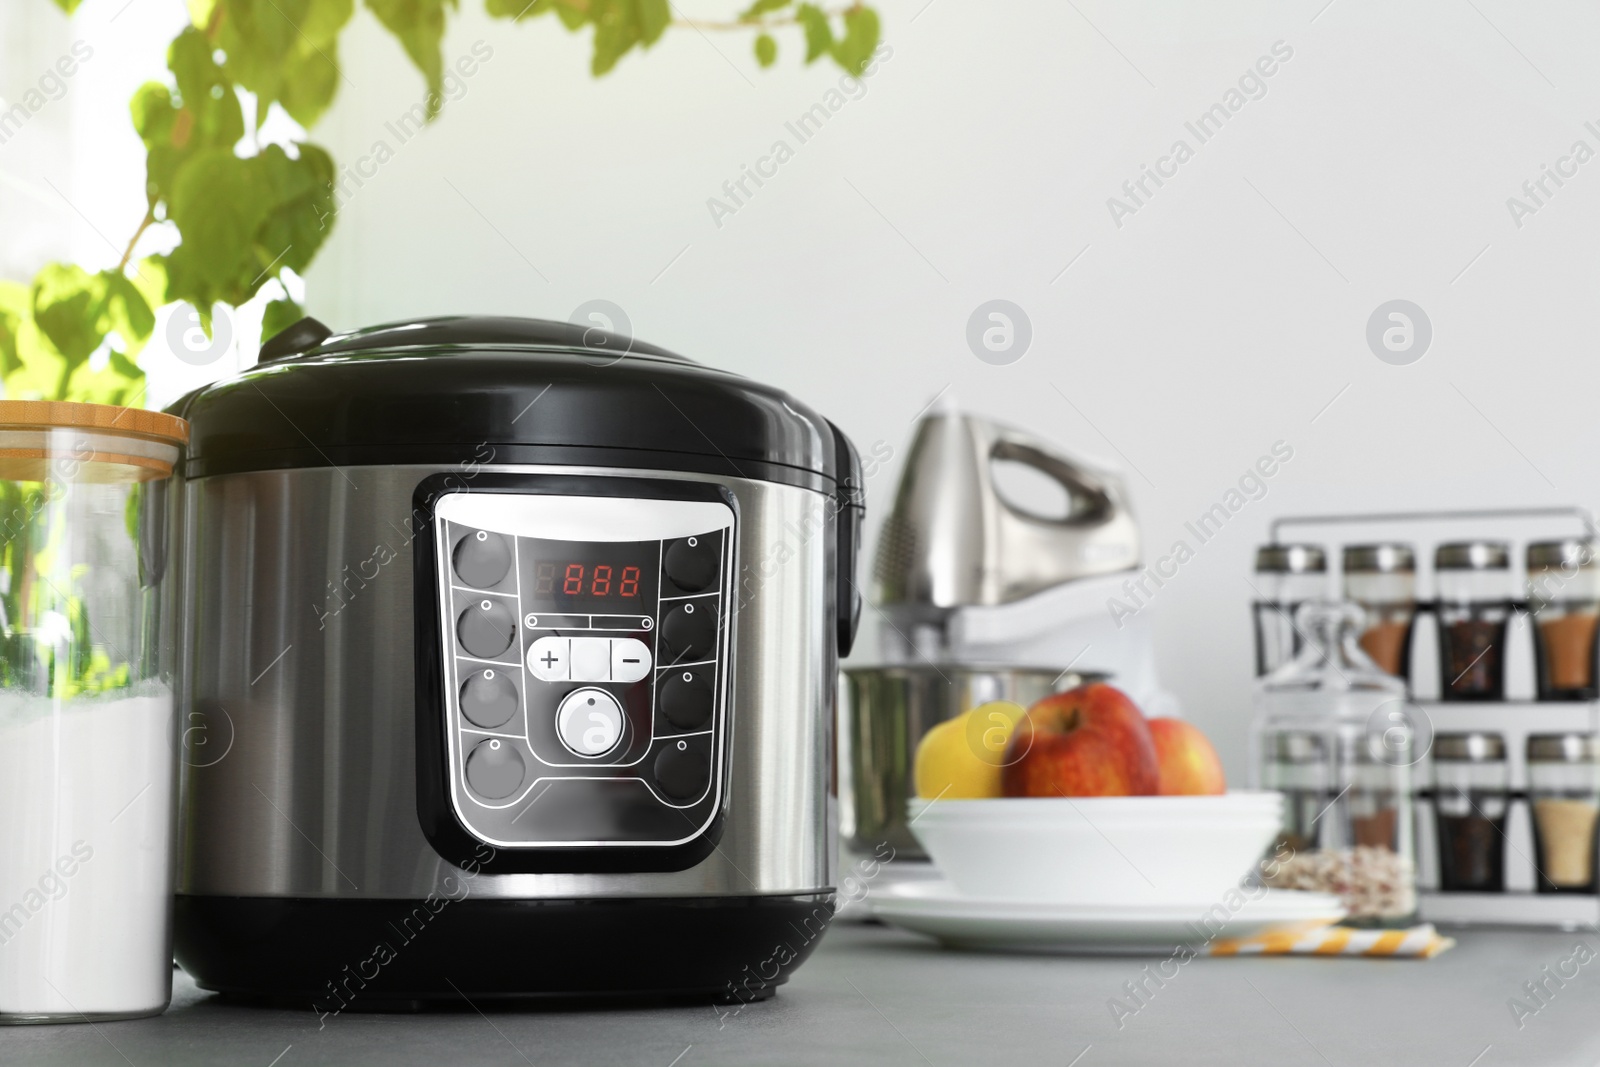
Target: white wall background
<point>1227,314</point>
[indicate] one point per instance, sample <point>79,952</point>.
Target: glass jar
<point>1471,783</point>
<point>1286,577</point>
<point>1564,596</point>
<point>87,732</point>
<point>1383,580</point>
<point>1335,734</point>
<point>1564,794</point>
<point>1474,604</point>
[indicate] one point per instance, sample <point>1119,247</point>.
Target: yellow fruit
<point>960,759</point>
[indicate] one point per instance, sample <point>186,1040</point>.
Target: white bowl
<point>1099,850</point>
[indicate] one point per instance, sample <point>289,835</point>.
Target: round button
<point>691,563</point>
<point>489,699</point>
<point>682,772</point>
<point>482,558</point>
<point>690,630</point>
<point>686,699</point>
<point>486,629</point>
<point>589,722</point>
<point>495,769</point>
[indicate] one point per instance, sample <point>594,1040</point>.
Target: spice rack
<point>1519,904</point>
<point>1515,718</point>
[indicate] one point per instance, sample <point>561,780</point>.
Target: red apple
<point>1189,765</point>
<point>1087,742</point>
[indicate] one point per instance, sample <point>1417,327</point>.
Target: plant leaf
<point>762,7</point>
<point>69,6</point>
<point>766,50</point>
<point>243,220</point>
<point>860,39</point>
<point>819,35</point>
<point>119,382</point>
<point>203,113</point>
<point>301,194</point>
<point>615,31</point>
<point>68,307</point>
<point>40,369</point>
<point>517,10</point>
<point>311,79</point>
<point>279,316</point>
<point>419,24</point>
<point>572,15</point>
<point>654,16</point>
<point>14,313</point>
<point>621,24</point>
<point>284,51</point>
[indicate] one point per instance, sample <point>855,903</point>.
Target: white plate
<point>856,890</point>
<point>937,910</point>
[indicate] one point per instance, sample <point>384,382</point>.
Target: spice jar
<point>1474,604</point>
<point>1295,764</point>
<point>1470,800</point>
<point>1564,793</point>
<point>1286,577</point>
<point>1383,580</point>
<point>87,733</point>
<point>1564,596</point>
<point>1335,734</point>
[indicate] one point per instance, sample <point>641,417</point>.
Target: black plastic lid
<point>500,390</point>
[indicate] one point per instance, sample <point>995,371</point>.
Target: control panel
<point>585,654</point>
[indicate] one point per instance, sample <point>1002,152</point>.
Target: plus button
<point>548,658</point>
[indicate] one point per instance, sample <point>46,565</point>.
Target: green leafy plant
<point>48,643</point>
<point>248,215</point>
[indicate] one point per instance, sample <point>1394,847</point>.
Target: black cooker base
<point>333,955</point>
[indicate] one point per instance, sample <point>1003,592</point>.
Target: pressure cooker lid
<point>480,390</point>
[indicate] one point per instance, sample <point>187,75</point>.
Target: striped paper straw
<point>1419,942</point>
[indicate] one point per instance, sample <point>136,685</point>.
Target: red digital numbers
<point>600,582</point>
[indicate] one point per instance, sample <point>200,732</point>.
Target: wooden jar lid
<point>104,418</point>
<point>28,453</point>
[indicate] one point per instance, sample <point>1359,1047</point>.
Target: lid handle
<point>850,505</point>
<point>294,340</point>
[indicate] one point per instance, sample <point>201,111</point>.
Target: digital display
<point>576,579</point>
<point>567,576</point>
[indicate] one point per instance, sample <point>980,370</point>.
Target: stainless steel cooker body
<point>299,693</point>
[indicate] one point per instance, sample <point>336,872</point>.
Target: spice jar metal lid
<point>1389,558</point>
<point>1472,556</point>
<point>1568,553</point>
<point>1291,559</point>
<point>1469,748</point>
<point>1564,748</point>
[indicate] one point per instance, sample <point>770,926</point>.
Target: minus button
<point>630,659</point>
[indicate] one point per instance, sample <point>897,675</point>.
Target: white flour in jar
<point>86,797</point>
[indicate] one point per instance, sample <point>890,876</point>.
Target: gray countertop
<point>876,995</point>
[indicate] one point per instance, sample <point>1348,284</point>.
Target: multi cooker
<point>508,657</point>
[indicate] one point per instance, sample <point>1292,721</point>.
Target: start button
<point>589,722</point>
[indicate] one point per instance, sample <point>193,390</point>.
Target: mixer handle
<point>1090,497</point>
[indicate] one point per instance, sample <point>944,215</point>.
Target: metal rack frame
<point>1469,514</point>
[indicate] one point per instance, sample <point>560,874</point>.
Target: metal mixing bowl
<point>883,714</point>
